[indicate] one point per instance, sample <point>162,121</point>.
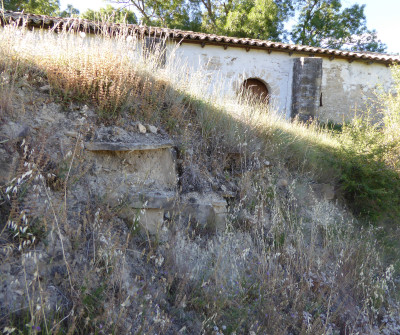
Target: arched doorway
<point>256,89</point>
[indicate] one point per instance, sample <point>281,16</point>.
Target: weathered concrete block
<point>151,220</point>
<point>306,87</point>
<point>123,167</point>
<point>206,209</point>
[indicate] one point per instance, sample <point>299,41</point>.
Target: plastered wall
<point>345,86</point>
<point>233,65</point>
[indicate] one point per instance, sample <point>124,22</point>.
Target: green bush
<point>369,184</point>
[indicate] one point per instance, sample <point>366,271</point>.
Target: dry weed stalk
<point>273,267</point>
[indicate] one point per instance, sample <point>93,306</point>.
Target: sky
<point>382,15</point>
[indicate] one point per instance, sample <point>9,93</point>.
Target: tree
<point>250,18</point>
<point>70,11</point>
<point>179,14</point>
<point>45,7</point>
<point>323,23</point>
<point>326,24</point>
<point>111,14</point>
<point>254,19</point>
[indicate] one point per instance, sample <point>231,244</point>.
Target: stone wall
<point>347,87</point>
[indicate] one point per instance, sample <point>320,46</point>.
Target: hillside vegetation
<point>290,260</point>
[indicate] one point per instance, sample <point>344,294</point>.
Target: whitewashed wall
<point>345,86</point>
<point>234,65</point>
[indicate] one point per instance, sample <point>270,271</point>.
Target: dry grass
<point>282,265</point>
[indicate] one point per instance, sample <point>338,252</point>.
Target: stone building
<point>303,81</point>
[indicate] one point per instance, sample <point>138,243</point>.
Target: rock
<point>141,128</point>
<point>13,131</point>
<point>153,199</point>
<point>127,147</point>
<point>45,88</point>
<point>5,77</point>
<point>209,210</point>
<point>151,129</point>
<point>23,83</point>
<point>328,191</point>
<point>228,195</point>
<point>9,158</point>
<point>72,134</point>
<point>151,220</point>
<point>267,163</point>
<point>86,111</point>
<point>73,107</point>
<point>282,183</point>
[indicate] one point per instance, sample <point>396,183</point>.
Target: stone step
<point>150,209</point>
<point>208,209</point>
<point>118,166</point>
<point>136,173</point>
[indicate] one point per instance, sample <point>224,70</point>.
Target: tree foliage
<point>70,11</point>
<point>180,14</point>
<point>111,14</point>
<point>257,19</point>
<point>325,23</point>
<point>45,7</point>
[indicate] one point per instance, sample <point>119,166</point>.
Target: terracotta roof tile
<point>185,36</point>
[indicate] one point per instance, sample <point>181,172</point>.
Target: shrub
<point>370,185</point>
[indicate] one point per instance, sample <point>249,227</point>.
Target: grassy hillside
<point>290,261</point>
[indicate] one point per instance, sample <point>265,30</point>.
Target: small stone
<point>45,88</point>
<point>19,292</point>
<point>73,107</point>
<point>282,183</point>
<point>151,129</point>
<point>267,163</point>
<point>84,111</point>
<point>141,128</point>
<point>72,134</point>
<point>223,188</point>
<point>12,130</point>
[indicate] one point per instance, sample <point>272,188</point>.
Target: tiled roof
<point>183,36</point>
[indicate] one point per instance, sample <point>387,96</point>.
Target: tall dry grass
<point>281,265</point>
